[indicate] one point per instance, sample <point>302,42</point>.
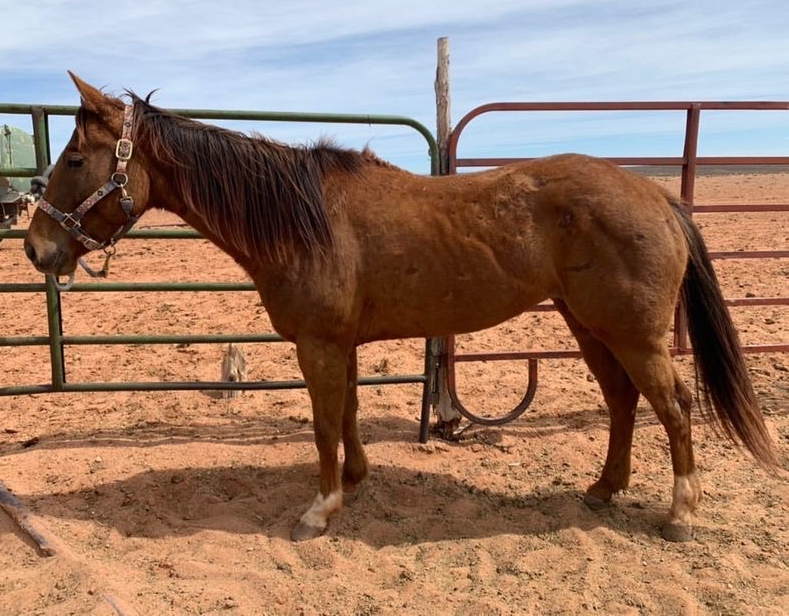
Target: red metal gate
<point>689,161</point>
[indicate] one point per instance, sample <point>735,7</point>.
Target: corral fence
<point>688,162</point>
<point>57,340</point>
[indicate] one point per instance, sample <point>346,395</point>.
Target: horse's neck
<point>165,199</point>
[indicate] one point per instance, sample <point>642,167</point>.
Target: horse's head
<point>87,204</point>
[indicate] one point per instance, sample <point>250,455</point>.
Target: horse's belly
<point>442,308</point>
<point>460,270</point>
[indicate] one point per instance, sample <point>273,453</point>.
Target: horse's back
<point>460,253</point>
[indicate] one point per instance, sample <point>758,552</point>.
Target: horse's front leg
<point>325,367</point>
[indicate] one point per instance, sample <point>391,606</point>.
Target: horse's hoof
<point>595,503</point>
<point>676,532</point>
<point>304,532</point>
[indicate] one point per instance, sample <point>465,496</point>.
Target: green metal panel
<point>402,379</point>
<point>262,116</point>
<point>126,287</point>
<point>55,330</point>
<point>36,160</point>
<point>141,339</point>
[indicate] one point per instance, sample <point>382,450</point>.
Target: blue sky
<point>379,57</point>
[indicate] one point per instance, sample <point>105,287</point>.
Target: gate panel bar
<point>689,163</point>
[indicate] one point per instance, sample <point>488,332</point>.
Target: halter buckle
<point>124,149</point>
<point>120,179</point>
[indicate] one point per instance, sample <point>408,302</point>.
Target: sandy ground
<point>180,503</point>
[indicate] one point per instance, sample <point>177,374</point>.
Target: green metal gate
<point>57,340</point>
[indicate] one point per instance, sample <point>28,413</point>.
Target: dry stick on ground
<point>48,544</point>
<point>22,517</point>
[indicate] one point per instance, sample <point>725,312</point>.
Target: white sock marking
<point>320,510</point>
<point>685,498</point>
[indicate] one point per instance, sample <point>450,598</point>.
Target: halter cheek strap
<point>72,221</point>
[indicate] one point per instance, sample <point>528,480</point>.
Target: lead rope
<point>104,272</point>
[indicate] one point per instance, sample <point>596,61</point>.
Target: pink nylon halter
<point>72,221</point>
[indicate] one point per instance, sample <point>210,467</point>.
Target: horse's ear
<point>92,98</point>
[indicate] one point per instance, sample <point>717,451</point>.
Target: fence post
<point>40,138</point>
<point>54,314</point>
<point>448,416</point>
<point>687,186</point>
<point>443,115</point>
<point>55,328</point>
<point>428,387</point>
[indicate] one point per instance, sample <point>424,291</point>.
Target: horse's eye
<point>75,160</point>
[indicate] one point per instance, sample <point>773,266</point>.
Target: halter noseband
<point>72,221</point>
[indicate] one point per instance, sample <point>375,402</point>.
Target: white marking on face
<point>320,510</point>
<point>47,245</point>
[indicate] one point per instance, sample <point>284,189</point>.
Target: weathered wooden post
<point>448,417</point>
<point>443,114</point>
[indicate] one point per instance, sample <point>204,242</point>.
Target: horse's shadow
<point>397,506</point>
<point>264,430</point>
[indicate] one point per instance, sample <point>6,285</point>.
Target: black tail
<point>725,384</point>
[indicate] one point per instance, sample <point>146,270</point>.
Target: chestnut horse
<point>345,248</point>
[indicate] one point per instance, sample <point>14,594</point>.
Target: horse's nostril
<point>30,252</point>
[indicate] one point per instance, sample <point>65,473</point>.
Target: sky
<point>378,57</point>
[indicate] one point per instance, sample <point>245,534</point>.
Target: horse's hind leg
<point>648,364</point>
<point>354,469</point>
<point>621,396</point>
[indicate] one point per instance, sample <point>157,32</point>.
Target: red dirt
<point>180,503</point>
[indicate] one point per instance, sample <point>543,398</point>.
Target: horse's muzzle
<point>48,260</point>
